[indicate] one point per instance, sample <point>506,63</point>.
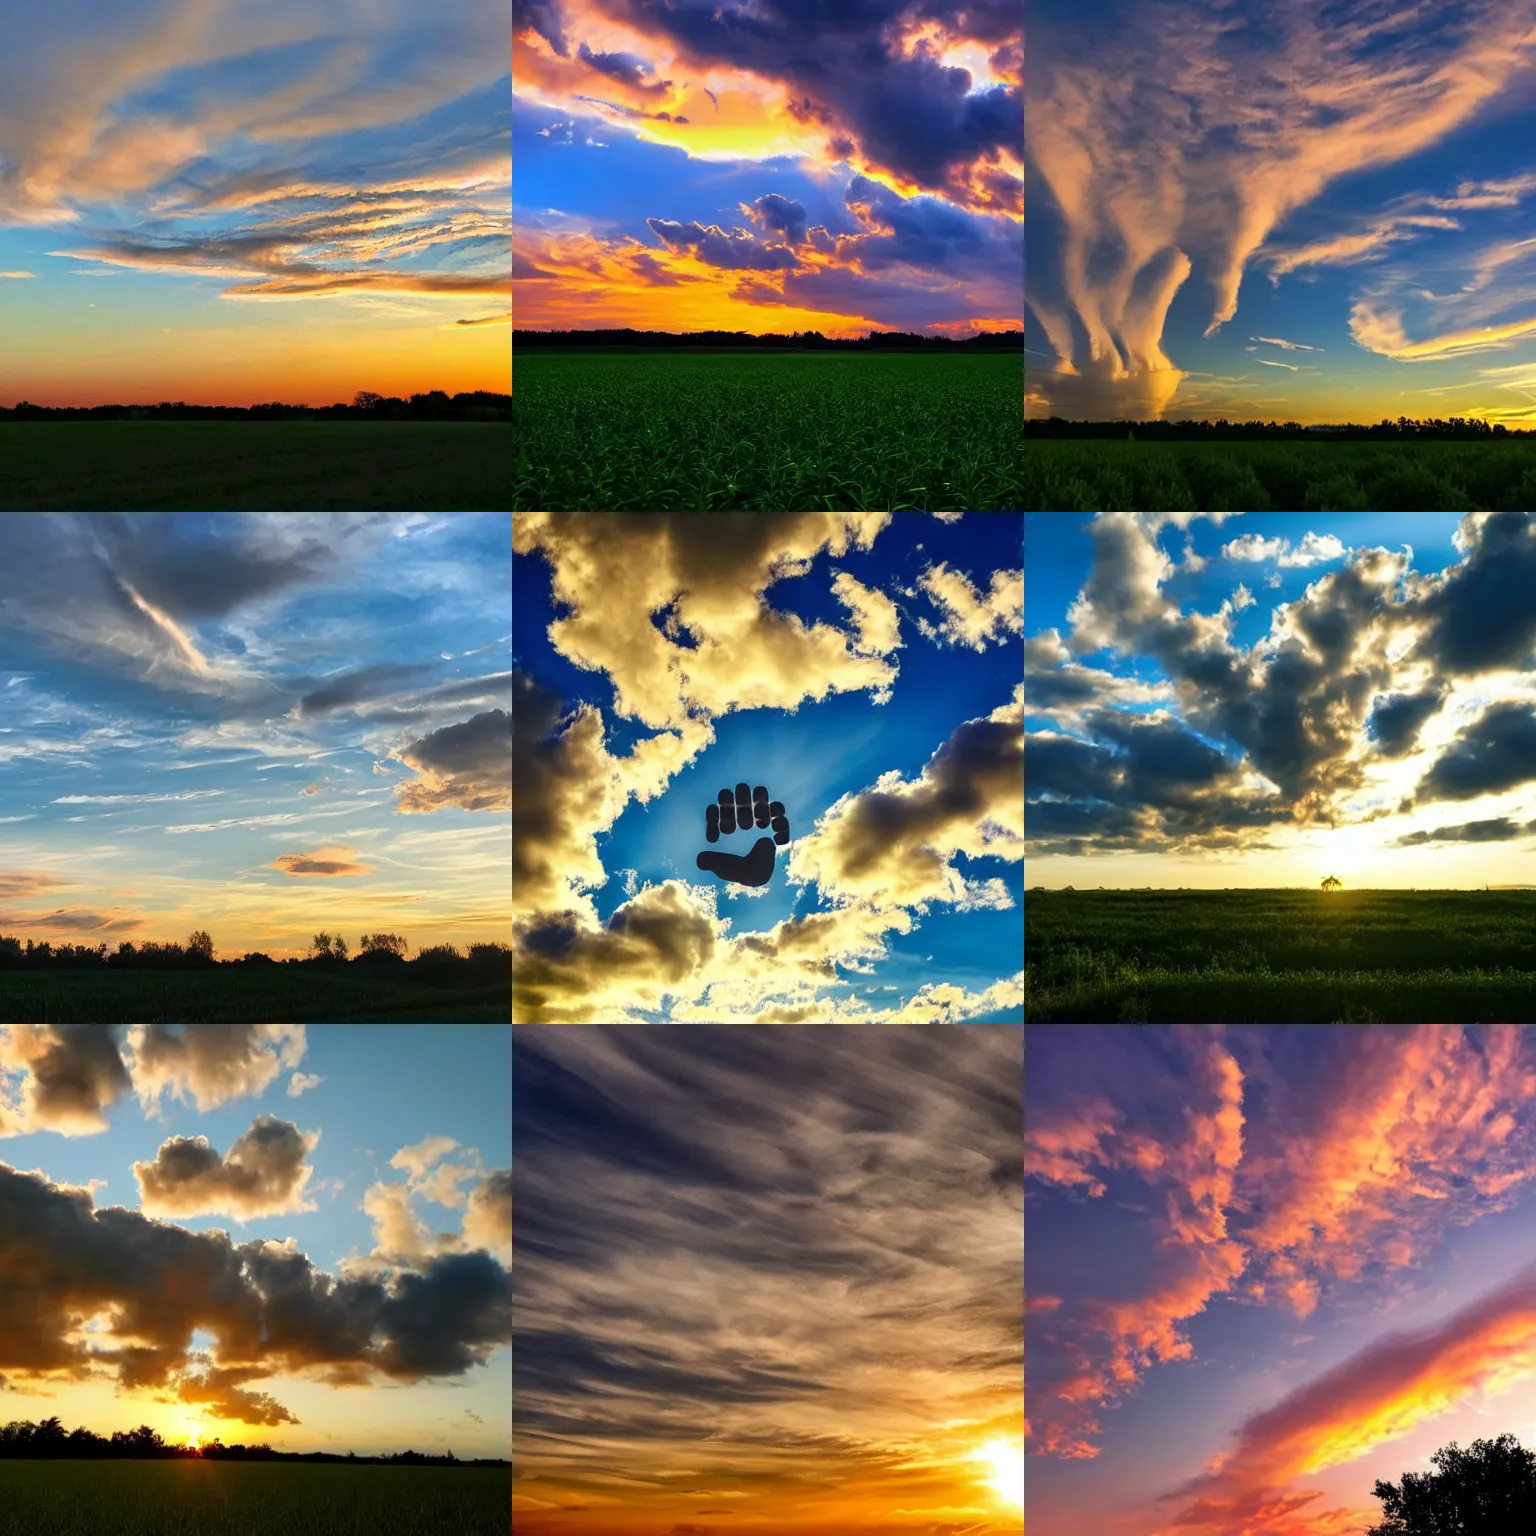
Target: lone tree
<point>1333,883</point>
<point>200,946</point>
<point>1488,1490</point>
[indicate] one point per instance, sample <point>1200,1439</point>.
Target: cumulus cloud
<point>1056,684</point>
<point>874,614</point>
<point>1314,549</point>
<point>151,1283</point>
<point>66,1078</point>
<point>895,844</point>
<point>467,765</point>
<point>734,251</point>
<point>400,1234</point>
<point>1493,829</point>
<point>708,583</point>
<point>302,1082</point>
<point>1496,752</point>
<point>1397,718</point>
<point>1478,613</point>
<point>967,617</point>
<point>211,1063</point>
<point>263,1174</point>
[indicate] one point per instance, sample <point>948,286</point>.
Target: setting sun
<point>1007,1463</point>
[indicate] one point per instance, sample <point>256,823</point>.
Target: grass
<point>785,431</point>
<point>1268,956</point>
<point>206,1498</point>
<point>275,995</point>
<point>256,465</point>
<point>1066,475</point>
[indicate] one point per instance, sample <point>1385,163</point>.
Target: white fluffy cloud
<point>401,1236</point>
<point>1314,549</point>
<point>210,1063</point>
<point>967,616</point>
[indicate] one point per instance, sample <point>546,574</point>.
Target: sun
<point>1007,1463</point>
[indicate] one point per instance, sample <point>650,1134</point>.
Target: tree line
<point>22,1440</point>
<point>433,405</point>
<point>795,341</point>
<point>1405,428</point>
<point>326,950</point>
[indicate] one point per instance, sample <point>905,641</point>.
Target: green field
<point>1075,475</point>
<point>206,1498</point>
<point>1266,956</point>
<point>256,465</point>
<point>243,995</point>
<point>776,431</point>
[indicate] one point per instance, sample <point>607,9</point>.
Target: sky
<point>768,165</point>
<point>864,669</point>
<point>1282,209</point>
<point>768,1281</point>
<point>227,203</point>
<point>1219,700</point>
<point>261,725</point>
<point>258,1232</point>
<point>1267,1266</point>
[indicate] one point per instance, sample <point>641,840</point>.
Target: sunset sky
<point>1267,1266</point>
<point>259,1233</point>
<point>261,725</point>
<point>1287,209</point>
<point>768,165</point>
<point>768,1281</point>
<point>1215,700</point>
<point>230,203</point>
<point>863,668</point>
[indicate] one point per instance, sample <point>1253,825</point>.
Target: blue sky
<point>231,205</point>
<point>1320,217</point>
<point>211,722</point>
<point>896,702</point>
<point>441,1089</point>
<point>1302,1251</point>
<point>772,167</point>
<point>1230,700</point>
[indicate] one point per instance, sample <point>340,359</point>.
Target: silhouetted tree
<point>1487,1490</point>
<point>1333,883</point>
<point>382,947</point>
<point>200,946</point>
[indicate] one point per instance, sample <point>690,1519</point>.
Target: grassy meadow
<point>208,1498</point>
<point>1076,475</point>
<point>1280,956</point>
<point>775,431</point>
<point>291,465</point>
<point>246,995</point>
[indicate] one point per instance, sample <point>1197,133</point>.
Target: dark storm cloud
<point>716,1228</point>
<point>781,216</point>
<point>1397,718</point>
<point>1495,829</point>
<point>737,251</point>
<point>72,1074</point>
<point>1482,612</point>
<point>1496,752</point>
<point>918,231</point>
<point>627,67</point>
<point>468,765</point>
<point>62,1261</point>
<point>908,113</point>
<point>263,1174</point>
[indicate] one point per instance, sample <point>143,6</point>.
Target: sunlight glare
<point>1007,1463</point>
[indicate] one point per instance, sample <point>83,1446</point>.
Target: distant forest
<point>1456,429</point>
<point>434,405</point>
<point>796,341</point>
<point>376,951</point>
<point>22,1440</point>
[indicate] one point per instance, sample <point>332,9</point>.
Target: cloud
<point>1313,549</point>
<point>62,1262</point>
<point>1378,1395</point>
<point>1495,829</point>
<point>735,251</point>
<point>488,1215</point>
<point>1397,718</point>
<point>1133,201</point>
<point>966,616</point>
<point>70,1075</point>
<point>302,1082</point>
<point>894,844</point>
<point>417,1159</point>
<point>1055,684</point>
<point>1478,614</point>
<point>317,864</point>
<point>1287,346</point>
<point>1496,752</point>
<point>467,765</point>
<point>710,582</point>
<point>349,687</point>
<point>874,614</point>
<point>776,215</point>
<point>263,1174</point>
<point>402,1237</point>
<point>212,1063</point>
